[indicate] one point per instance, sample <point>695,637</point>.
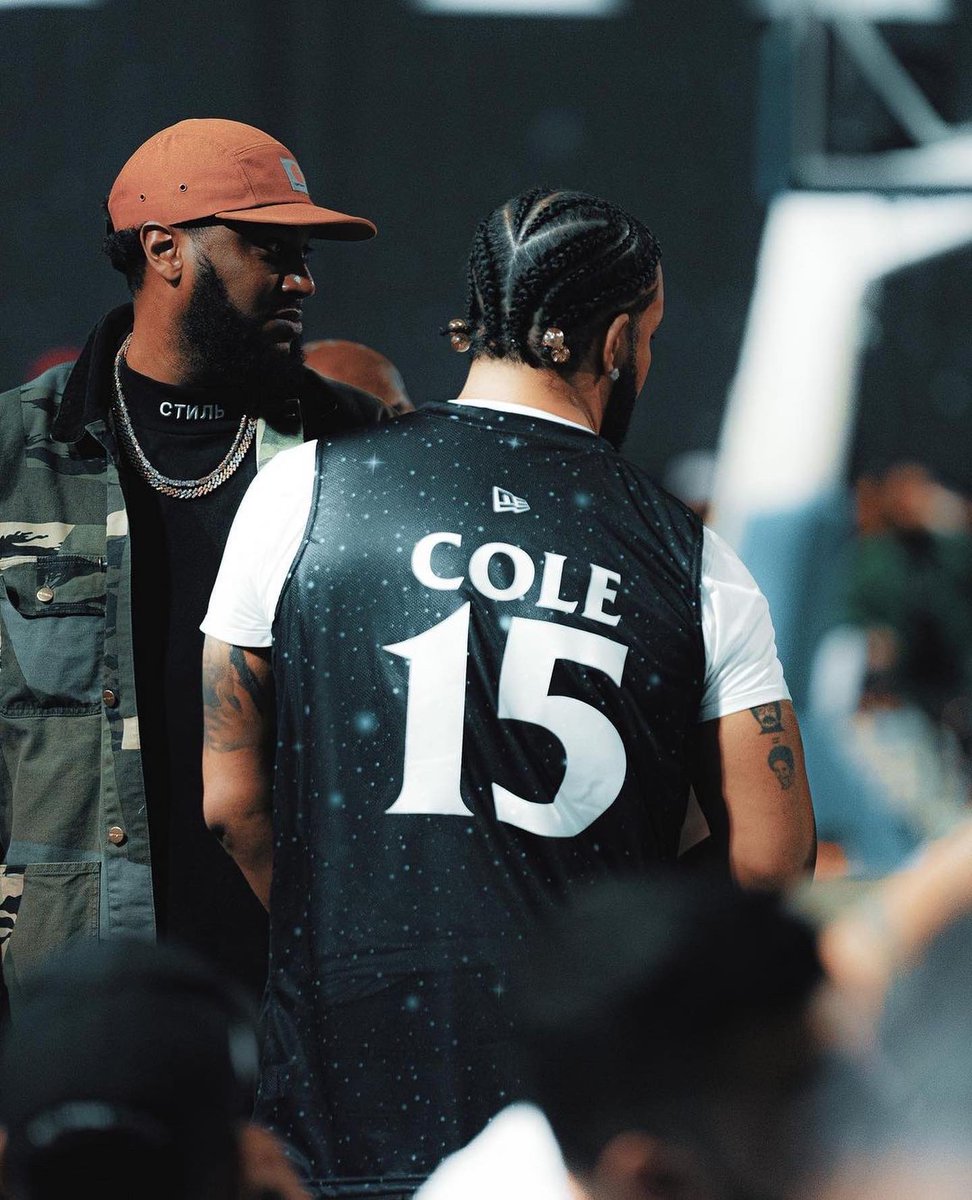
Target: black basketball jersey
<point>488,658</point>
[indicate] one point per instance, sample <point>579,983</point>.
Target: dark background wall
<point>422,123</point>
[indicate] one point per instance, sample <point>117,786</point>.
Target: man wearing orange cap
<point>120,478</point>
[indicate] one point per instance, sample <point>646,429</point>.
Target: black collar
<point>327,406</point>
<point>84,404</point>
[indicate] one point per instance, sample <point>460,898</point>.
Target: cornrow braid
<point>555,258</point>
<point>484,294</point>
<point>637,283</point>
<point>560,304</point>
<point>522,209</point>
<point>525,291</point>
<point>547,211</point>
<point>529,299</point>
<point>611,298</point>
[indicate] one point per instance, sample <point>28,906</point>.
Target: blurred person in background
<point>911,590</point>
<point>871,1098</point>
<point>130,1072</point>
<point>898,956</point>
<point>919,1143</point>
<point>672,1028</point>
<point>891,690</point>
<point>869,943</point>
<point>363,367</point>
<point>119,478</point>
<point>482,657</point>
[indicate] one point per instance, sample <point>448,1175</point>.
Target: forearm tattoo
<point>254,688</point>
<point>225,681</point>
<point>780,759</point>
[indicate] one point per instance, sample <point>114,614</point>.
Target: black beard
<point>620,405</point>
<point>224,348</point>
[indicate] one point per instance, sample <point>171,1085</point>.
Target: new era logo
<point>504,501</point>
<point>294,174</point>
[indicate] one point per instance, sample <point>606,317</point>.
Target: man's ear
<point>613,350</point>
<point>163,246</point>
<point>638,1166</point>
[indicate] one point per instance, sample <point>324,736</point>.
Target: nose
<point>299,282</point>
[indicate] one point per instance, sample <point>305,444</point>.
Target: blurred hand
<point>267,1173</point>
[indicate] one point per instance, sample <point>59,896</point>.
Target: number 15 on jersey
<point>594,753</point>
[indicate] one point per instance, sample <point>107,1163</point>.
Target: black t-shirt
<point>200,895</point>
<point>488,661</point>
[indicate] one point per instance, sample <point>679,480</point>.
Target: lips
<point>286,320</point>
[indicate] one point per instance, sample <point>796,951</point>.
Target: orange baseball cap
<point>215,168</point>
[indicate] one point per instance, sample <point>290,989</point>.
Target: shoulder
<point>743,666</point>
<point>42,394</point>
<point>651,491</point>
<point>721,565</point>
<point>283,486</point>
<point>730,594</point>
<point>671,527</point>
<point>289,470</point>
<point>328,406</point>
<point>27,413</point>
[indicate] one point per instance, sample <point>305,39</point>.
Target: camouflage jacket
<point>74,839</point>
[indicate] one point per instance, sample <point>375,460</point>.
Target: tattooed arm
<point>751,784</point>
<point>238,713</point>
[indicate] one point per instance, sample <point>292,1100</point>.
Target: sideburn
<point>621,402</point>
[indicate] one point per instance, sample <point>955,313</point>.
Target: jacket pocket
<point>52,632</point>
<point>57,902</point>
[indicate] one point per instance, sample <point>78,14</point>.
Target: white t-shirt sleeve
<point>263,541</point>
<point>742,669</point>
<point>515,1156</point>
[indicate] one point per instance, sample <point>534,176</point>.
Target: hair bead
<point>459,334</point>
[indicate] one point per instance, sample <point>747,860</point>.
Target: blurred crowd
<point>893,675</point>
<point>679,1037</point>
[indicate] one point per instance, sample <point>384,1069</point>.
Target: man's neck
<point>153,351</point>
<point>517,383</point>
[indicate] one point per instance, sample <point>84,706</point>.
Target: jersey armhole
<point>305,538</point>
<point>703,662</point>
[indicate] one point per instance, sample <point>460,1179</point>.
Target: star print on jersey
<point>504,501</point>
<point>474,713</point>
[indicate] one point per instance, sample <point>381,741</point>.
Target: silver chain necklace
<point>178,489</point>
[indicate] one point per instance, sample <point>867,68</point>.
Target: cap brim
<point>322,222</point>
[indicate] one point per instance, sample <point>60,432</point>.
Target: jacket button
<point>45,595</point>
<point>109,697</point>
<point>117,835</point>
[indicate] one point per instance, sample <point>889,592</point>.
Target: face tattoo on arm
<point>769,717</point>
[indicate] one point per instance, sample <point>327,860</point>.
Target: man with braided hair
<point>496,656</point>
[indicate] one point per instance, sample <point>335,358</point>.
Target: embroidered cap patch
<point>294,174</point>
